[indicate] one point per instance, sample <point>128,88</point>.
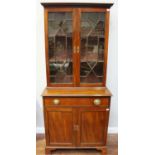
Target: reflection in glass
<point>92,47</point>
<point>60,47</point>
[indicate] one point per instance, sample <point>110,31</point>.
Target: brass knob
<point>78,49</point>
<point>56,101</point>
<point>97,101</point>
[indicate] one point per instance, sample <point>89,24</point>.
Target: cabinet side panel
<point>46,43</point>
<point>107,14</point>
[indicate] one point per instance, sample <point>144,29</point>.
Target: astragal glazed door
<point>76,46</point>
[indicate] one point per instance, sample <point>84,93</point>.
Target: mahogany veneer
<point>76,91</point>
<point>76,101</point>
<point>76,122</point>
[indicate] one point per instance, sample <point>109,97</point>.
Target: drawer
<point>58,101</point>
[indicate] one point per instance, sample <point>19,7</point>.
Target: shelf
<point>64,79</point>
<point>87,76</point>
<point>53,60</point>
<point>66,35</point>
<point>93,57</point>
<point>69,59</point>
<point>51,20</point>
<point>61,58</point>
<point>98,36</point>
<point>54,76</point>
<point>55,35</point>
<point>91,79</point>
<point>101,61</point>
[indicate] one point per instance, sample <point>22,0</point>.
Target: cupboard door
<point>59,125</point>
<point>92,47</point>
<point>93,124</point>
<point>59,46</point>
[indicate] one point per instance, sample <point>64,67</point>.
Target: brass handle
<point>78,49</point>
<point>56,101</point>
<point>97,101</point>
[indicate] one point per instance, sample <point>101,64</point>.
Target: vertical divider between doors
<point>78,112</point>
<point>75,123</point>
<point>76,43</point>
<point>74,47</point>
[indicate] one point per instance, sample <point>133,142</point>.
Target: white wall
<point>112,69</point>
<point>41,70</point>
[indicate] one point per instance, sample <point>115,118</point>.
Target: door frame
<point>106,11</point>
<point>46,11</point>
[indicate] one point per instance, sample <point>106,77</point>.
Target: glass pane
<point>92,47</point>
<point>60,47</point>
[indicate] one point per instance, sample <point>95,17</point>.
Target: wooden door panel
<point>60,126</point>
<point>91,130</point>
<point>93,126</point>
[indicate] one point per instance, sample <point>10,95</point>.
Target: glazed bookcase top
<point>76,44</point>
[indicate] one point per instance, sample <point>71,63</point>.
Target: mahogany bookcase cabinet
<point>76,101</point>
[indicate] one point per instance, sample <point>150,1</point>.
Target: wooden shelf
<point>61,58</point>
<point>86,36</point>
<point>69,58</point>
<point>64,79</point>
<point>93,57</point>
